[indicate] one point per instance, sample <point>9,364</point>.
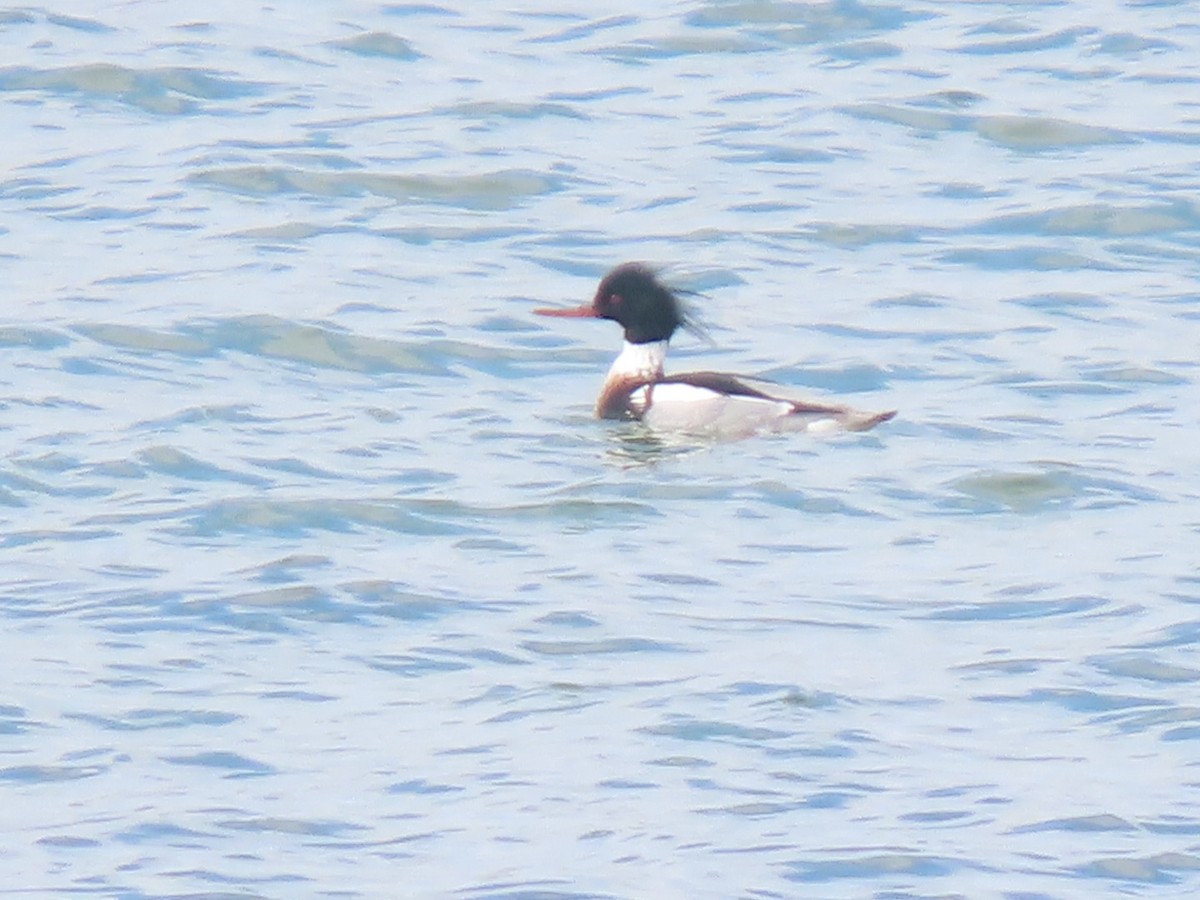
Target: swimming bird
<point>709,403</point>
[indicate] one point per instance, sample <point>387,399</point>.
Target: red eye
<point>614,299</point>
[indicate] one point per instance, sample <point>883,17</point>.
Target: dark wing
<point>736,386</point>
<point>721,382</point>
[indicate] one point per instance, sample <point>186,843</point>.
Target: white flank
<point>685,407</point>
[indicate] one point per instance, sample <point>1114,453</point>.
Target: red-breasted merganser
<point>697,402</point>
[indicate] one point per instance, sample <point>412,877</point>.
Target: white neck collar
<point>641,362</point>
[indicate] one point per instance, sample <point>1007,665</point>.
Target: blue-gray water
<point>319,580</point>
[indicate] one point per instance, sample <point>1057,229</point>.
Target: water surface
<point>320,580</point>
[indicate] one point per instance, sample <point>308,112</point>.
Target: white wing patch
<point>677,392</point>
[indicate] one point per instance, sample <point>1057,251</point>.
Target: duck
<point>706,403</point>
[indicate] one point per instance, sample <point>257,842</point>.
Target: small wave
<point>1100,220</point>
<point>599,646</point>
<point>805,23</point>
<point>235,764</point>
<point>1051,488</point>
<point>497,190</point>
<point>378,43</point>
<point>162,90</point>
<point>1027,133</point>
<point>873,865</point>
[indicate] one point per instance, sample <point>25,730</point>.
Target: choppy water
<point>319,580</point>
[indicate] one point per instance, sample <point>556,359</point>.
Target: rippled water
<point>320,580</point>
